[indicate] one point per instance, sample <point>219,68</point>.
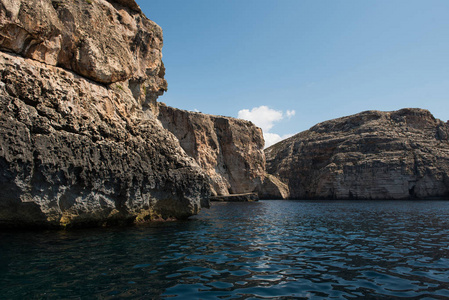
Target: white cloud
<point>290,113</point>
<point>262,116</point>
<point>273,138</point>
<point>265,117</point>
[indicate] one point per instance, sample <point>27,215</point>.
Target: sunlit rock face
<point>229,150</point>
<point>105,41</point>
<point>271,188</point>
<point>371,155</point>
<point>80,144</point>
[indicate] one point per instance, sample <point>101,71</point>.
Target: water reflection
<point>270,249</point>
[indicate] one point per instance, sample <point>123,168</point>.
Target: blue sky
<point>293,63</point>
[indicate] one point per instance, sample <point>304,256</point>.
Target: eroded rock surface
<point>79,142</point>
<point>271,188</point>
<point>371,155</point>
<point>106,41</point>
<point>229,150</point>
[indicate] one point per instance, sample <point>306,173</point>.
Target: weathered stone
<point>73,150</point>
<point>79,143</point>
<point>273,189</point>
<point>103,41</point>
<point>371,155</point>
<point>246,197</point>
<point>128,3</point>
<point>229,150</point>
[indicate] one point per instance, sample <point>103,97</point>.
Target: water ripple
<point>270,249</point>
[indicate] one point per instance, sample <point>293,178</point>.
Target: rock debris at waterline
<point>246,197</point>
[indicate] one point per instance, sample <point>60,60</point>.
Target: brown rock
<point>102,41</point>
<point>273,189</point>
<point>372,155</point>
<point>228,149</point>
<point>128,3</point>
<point>31,28</point>
<point>75,151</point>
<point>80,139</point>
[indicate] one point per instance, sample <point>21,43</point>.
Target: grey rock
<point>371,155</point>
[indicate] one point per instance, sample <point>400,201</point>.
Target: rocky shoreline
<point>84,141</point>
<point>247,197</point>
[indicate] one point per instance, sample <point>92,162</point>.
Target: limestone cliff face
<point>229,150</point>
<point>79,143</point>
<point>105,41</point>
<point>372,155</point>
<point>272,188</point>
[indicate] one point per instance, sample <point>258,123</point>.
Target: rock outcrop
<point>229,150</point>
<point>247,197</point>
<point>371,155</point>
<point>80,144</point>
<point>272,188</point>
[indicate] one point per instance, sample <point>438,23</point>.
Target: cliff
<point>371,155</point>
<point>229,150</point>
<point>80,144</point>
<point>105,41</point>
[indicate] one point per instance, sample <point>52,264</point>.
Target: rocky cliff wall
<point>372,155</point>
<point>105,41</point>
<point>79,143</point>
<point>229,150</point>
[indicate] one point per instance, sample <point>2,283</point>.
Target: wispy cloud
<point>265,118</point>
<point>290,113</point>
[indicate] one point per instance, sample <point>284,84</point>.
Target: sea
<point>272,249</point>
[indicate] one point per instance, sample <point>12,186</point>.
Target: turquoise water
<point>268,249</point>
